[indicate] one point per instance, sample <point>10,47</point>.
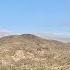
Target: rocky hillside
<point>29,52</point>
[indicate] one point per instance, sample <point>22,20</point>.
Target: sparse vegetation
<point>29,52</point>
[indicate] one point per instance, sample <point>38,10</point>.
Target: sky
<point>35,16</point>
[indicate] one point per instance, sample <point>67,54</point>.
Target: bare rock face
<point>29,52</point>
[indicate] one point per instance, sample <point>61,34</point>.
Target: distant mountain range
<point>62,38</point>
<point>49,36</point>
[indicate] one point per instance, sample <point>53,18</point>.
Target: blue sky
<point>28,16</point>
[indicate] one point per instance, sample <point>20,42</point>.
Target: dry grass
<point>29,52</point>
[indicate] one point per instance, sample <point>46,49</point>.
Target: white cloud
<point>5,32</point>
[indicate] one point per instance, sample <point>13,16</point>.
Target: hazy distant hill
<point>30,52</point>
<point>52,36</point>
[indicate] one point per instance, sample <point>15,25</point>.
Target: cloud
<point>5,32</point>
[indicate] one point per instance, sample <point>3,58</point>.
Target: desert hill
<point>30,52</point>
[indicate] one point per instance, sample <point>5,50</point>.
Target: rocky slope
<point>29,52</point>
